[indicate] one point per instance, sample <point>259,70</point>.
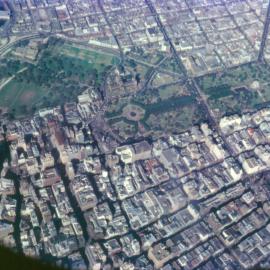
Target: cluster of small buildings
<point>207,36</point>
<point>79,18</point>
<point>7,212</point>
<point>106,221</point>
<point>135,26</point>
<point>178,202</point>
<point>248,136</point>
<point>211,35</point>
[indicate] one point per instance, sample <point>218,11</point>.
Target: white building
<point>4,15</point>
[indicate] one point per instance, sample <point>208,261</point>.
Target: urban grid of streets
<point>194,200</point>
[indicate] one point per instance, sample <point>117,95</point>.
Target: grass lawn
<point>19,96</point>
<point>233,92</point>
<point>99,60</point>
<point>173,90</point>
<point>161,79</point>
